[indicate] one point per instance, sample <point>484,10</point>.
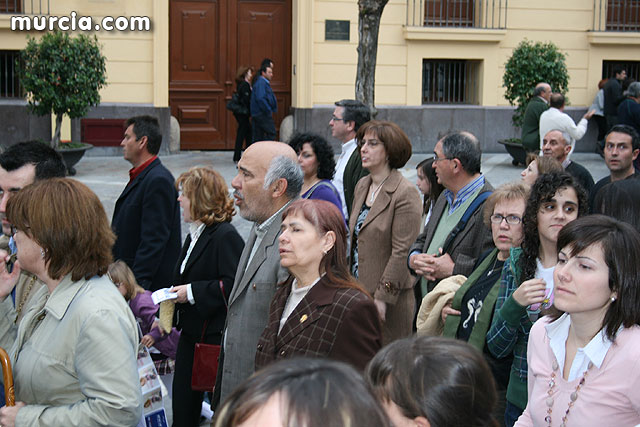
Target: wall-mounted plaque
<point>336,30</point>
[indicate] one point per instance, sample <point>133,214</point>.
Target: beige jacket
<point>429,320</point>
<point>383,246</point>
<point>74,356</point>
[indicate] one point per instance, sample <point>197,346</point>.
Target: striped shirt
<point>464,193</point>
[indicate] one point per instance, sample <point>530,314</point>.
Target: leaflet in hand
<point>163,295</point>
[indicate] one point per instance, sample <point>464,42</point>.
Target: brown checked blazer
<point>337,323</point>
<point>383,245</point>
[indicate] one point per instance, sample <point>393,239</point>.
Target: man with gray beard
<point>268,180</point>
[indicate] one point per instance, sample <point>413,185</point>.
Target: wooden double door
<point>209,40</point>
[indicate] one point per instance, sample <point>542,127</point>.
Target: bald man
<point>531,122</point>
<point>268,180</point>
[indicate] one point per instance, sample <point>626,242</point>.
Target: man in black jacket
<point>613,95</point>
<point>146,218</point>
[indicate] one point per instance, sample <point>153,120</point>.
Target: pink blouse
<point>609,396</point>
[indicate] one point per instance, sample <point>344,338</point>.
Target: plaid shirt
<point>509,330</point>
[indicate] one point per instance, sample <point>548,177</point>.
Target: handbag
<point>235,106</point>
<point>205,359</point>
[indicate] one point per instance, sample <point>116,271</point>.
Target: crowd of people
<point>353,301</point>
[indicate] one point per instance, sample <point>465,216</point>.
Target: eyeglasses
<point>436,159</point>
<point>511,219</point>
<point>336,119</point>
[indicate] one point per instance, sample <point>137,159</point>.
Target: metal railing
<point>483,14</point>
<point>9,78</point>
<point>450,81</point>
<point>616,15</point>
<point>25,7</point>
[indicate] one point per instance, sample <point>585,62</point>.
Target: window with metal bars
<point>450,81</point>
<point>10,6</point>
<point>623,15</point>
<point>9,81</point>
<point>632,67</point>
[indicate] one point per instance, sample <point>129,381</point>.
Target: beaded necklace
<point>573,397</point>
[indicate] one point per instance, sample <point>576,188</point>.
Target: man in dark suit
<point>146,218</point>
<point>613,95</point>
<point>347,118</point>
<point>268,179</point>
<point>457,165</point>
<point>531,122</point>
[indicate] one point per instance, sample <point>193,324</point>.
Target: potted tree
<point>63,75</point>
<point>530,64</point>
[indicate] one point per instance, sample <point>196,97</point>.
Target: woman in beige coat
<point>384,222</point>
<point>74,352</point>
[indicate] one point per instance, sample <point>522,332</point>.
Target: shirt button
<point>254,286</point>
<point>282,353</point>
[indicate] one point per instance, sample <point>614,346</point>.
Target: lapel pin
<point>303,318</point>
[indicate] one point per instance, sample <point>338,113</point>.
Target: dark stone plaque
<point>336,30</point>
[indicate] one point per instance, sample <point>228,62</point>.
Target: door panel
<point>209,40</point>
<point>196,74</point>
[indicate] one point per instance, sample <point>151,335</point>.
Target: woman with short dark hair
<point>74,353</point>
<point>584,365</point>
<point>384,222</point>
<point>317,162</point>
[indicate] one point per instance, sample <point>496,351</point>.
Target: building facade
<point>439,63</point>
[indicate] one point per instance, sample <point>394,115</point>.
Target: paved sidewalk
<point>107,176</point>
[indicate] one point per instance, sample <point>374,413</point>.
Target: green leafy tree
<point>63,75</point>
<point>530,64</point>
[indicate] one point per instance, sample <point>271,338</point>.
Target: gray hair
<point>633,90</point>
<point>287,168</point>
<point>465,147</point>
<point>568,140</point>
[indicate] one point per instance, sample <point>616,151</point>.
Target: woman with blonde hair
<point>203,278</point>
<point>74,351</point>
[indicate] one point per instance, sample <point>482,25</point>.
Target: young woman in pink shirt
<point>584,365</point>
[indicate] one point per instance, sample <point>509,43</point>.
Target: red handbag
<point>205,360</point>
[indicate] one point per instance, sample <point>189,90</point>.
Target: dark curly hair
<point>322,150</point>
<point>543,191</point>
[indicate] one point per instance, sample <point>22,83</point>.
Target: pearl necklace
<point>573,397</point>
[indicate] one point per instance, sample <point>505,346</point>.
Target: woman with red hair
<point>320,310</point>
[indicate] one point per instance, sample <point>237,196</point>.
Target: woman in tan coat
<point>384,222</point>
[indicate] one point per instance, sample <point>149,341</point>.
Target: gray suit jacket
<point>248,312</point>
<point>474,239</point>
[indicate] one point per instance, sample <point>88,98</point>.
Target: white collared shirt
<point>594,352</point>
<point>338,179</point>
<point>195,230</point>
<point>296,295</point>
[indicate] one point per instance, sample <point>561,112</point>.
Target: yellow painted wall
<point>567,23</point>
<point>137,62</point>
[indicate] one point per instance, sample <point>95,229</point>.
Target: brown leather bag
<point>7,375</point>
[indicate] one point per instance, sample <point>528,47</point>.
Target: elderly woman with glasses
<point>74,352</point>
<point>384,222</point>
<point>468,316</point>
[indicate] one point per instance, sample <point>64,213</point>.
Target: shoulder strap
<point>477,202</point>
<point>322,184</point>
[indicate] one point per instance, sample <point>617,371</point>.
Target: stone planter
<point>517,151</point>
<point>71,156</point>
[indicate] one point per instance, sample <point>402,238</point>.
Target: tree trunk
<point>55,142</point>
<point>370,12</point>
